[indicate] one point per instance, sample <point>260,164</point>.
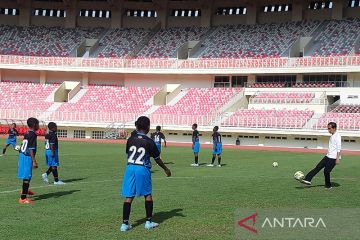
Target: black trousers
<point>328,164</point>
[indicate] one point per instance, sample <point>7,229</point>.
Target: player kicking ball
<point>11,140</point>
<point>195,144</point>
<point>331,159</point>
<point>137,178</point>
<point>27,160</point>
<point>52,154</point>
<point>217,147</point>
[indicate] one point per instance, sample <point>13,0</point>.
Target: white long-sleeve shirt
<point>334,145</point>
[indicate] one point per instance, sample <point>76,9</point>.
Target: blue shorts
<point>196,147</point>
<point>158,145</point>
<point>11,141</point>
<point>24,166</point>
<point>217,149</point>
<point>50,160</point>
<point>137,181</point>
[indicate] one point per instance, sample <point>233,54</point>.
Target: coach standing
<point>331,159</point>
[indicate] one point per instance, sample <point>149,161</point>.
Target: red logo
<point>242,223</point>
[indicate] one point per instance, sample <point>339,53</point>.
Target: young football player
<point>27,160</point>
<point>52,154</point>
<point>137,177</point>
<point>217,147</point>
<point>157,136</point>
<point>11,140</point>
<point>195,144</point>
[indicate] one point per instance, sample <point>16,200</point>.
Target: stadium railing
<point>347,124</point>
<point>171,63</point>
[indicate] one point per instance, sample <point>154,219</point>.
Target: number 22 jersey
<point>140,148</point>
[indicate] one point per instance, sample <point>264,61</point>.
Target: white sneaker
<point>219,165</point>
<point>210,165</point>
<point>194,164</point>
<point>1,155</point>
<point>44,177</point>
<point>59,183</point>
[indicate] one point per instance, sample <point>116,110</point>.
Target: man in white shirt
<point>331,159</point>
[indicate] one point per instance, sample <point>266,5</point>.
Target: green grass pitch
<point>196,203</point>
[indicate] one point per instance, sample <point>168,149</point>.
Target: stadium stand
<point>261,118</point>
<point>165,43</point>
<point>283,97</point>
<point>25,95</point>
<point>42,41</point>
<point>338,38</point>
<point>315,85</point>
<point>267,85</point>
<point>119,43</point>
<point>255,41</point>
<point>111,99</point>
<point>196,103</point>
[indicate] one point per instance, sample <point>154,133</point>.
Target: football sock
<point>49,171</point>
<point>196,159</point>
<point>219,160</point>
<point>4,150</point>
<point>55,173</point>
<point>126,212</point>
<point>213,160</point>
<point>149,205</point>
<point>25,188</point>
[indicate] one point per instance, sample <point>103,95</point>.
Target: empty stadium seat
<point>283,97</point>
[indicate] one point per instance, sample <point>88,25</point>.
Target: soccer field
<point>196,203</point>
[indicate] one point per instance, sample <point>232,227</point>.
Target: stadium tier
<point>166,42</point>
<point>258,118</point>
<point>295,97</point>
<point>255,41</point>
<point>119,43</point>
<point>111,99</point>
<point>338,38</point>
<point>330,38</point>
<point>43,41</point>
<point>197,103</point>
<point>347,117</point>
<point>25,96</point>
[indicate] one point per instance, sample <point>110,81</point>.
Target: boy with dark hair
<point>157,136</point>
<point>52,154</point>
<point>11,140</point>
<point>137,177</point>
<point>217,147</point>
<point>27,160</point>
<point>195,144</point>
<point>331,159</point>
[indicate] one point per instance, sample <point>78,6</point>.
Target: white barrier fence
<point>350,124</point>
<point>172,63</point>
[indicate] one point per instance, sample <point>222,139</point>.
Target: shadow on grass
<point>333,184</point>
<point>73,180</point>
<point>54,195</point>
<point>161,217</point>
<point>169,163</point>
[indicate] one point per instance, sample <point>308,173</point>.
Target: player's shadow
<point>333,184</point>
<point>166,163</point>
<point>54,195</point>
<point>161,217</point>
<point>73,180</point>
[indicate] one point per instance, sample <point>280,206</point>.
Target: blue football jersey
<point>195,136</point>
<point>12,133</point>
<point>216,138</point>
<point>157,137</point>
<point>140,148</point>
<point>51,139</point>
<point>29,143</point>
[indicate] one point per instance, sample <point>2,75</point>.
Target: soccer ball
<point>299,175</point>
<point>275,164</point>
<point>17,148</point>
